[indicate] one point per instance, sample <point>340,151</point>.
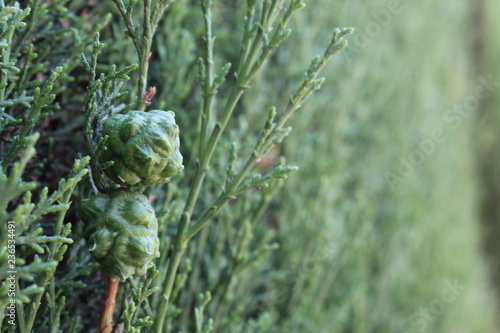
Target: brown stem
<point>108,306</point>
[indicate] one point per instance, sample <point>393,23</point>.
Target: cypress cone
<point>144,147</point>
<point>121,230</point>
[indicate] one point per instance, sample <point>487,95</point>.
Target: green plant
<point>30,238</point>
<point>333,248</point>
<point>256,47</point>
<point>35,214</point>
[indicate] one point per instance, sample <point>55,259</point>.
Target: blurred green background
<point>395,208</point>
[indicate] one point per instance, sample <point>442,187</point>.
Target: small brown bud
<point>146,98</point>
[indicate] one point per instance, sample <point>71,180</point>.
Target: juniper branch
<point>143,39</point>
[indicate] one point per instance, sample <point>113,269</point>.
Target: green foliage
<point>248,242</point>
<point>22,234</point>
<point>140,296</point>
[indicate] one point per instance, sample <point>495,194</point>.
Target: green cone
<point>144,147</point>
<point>121,232</point>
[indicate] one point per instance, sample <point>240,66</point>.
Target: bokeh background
<point>412,185</point>
<point>396,204</point>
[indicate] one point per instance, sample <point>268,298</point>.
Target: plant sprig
<point>139,299</point>
<point>40,270</point>
<point>103,92</point>
<point>142,37</point>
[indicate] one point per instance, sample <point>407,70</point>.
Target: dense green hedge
<point>378,231</point>
<point>388,161</point>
